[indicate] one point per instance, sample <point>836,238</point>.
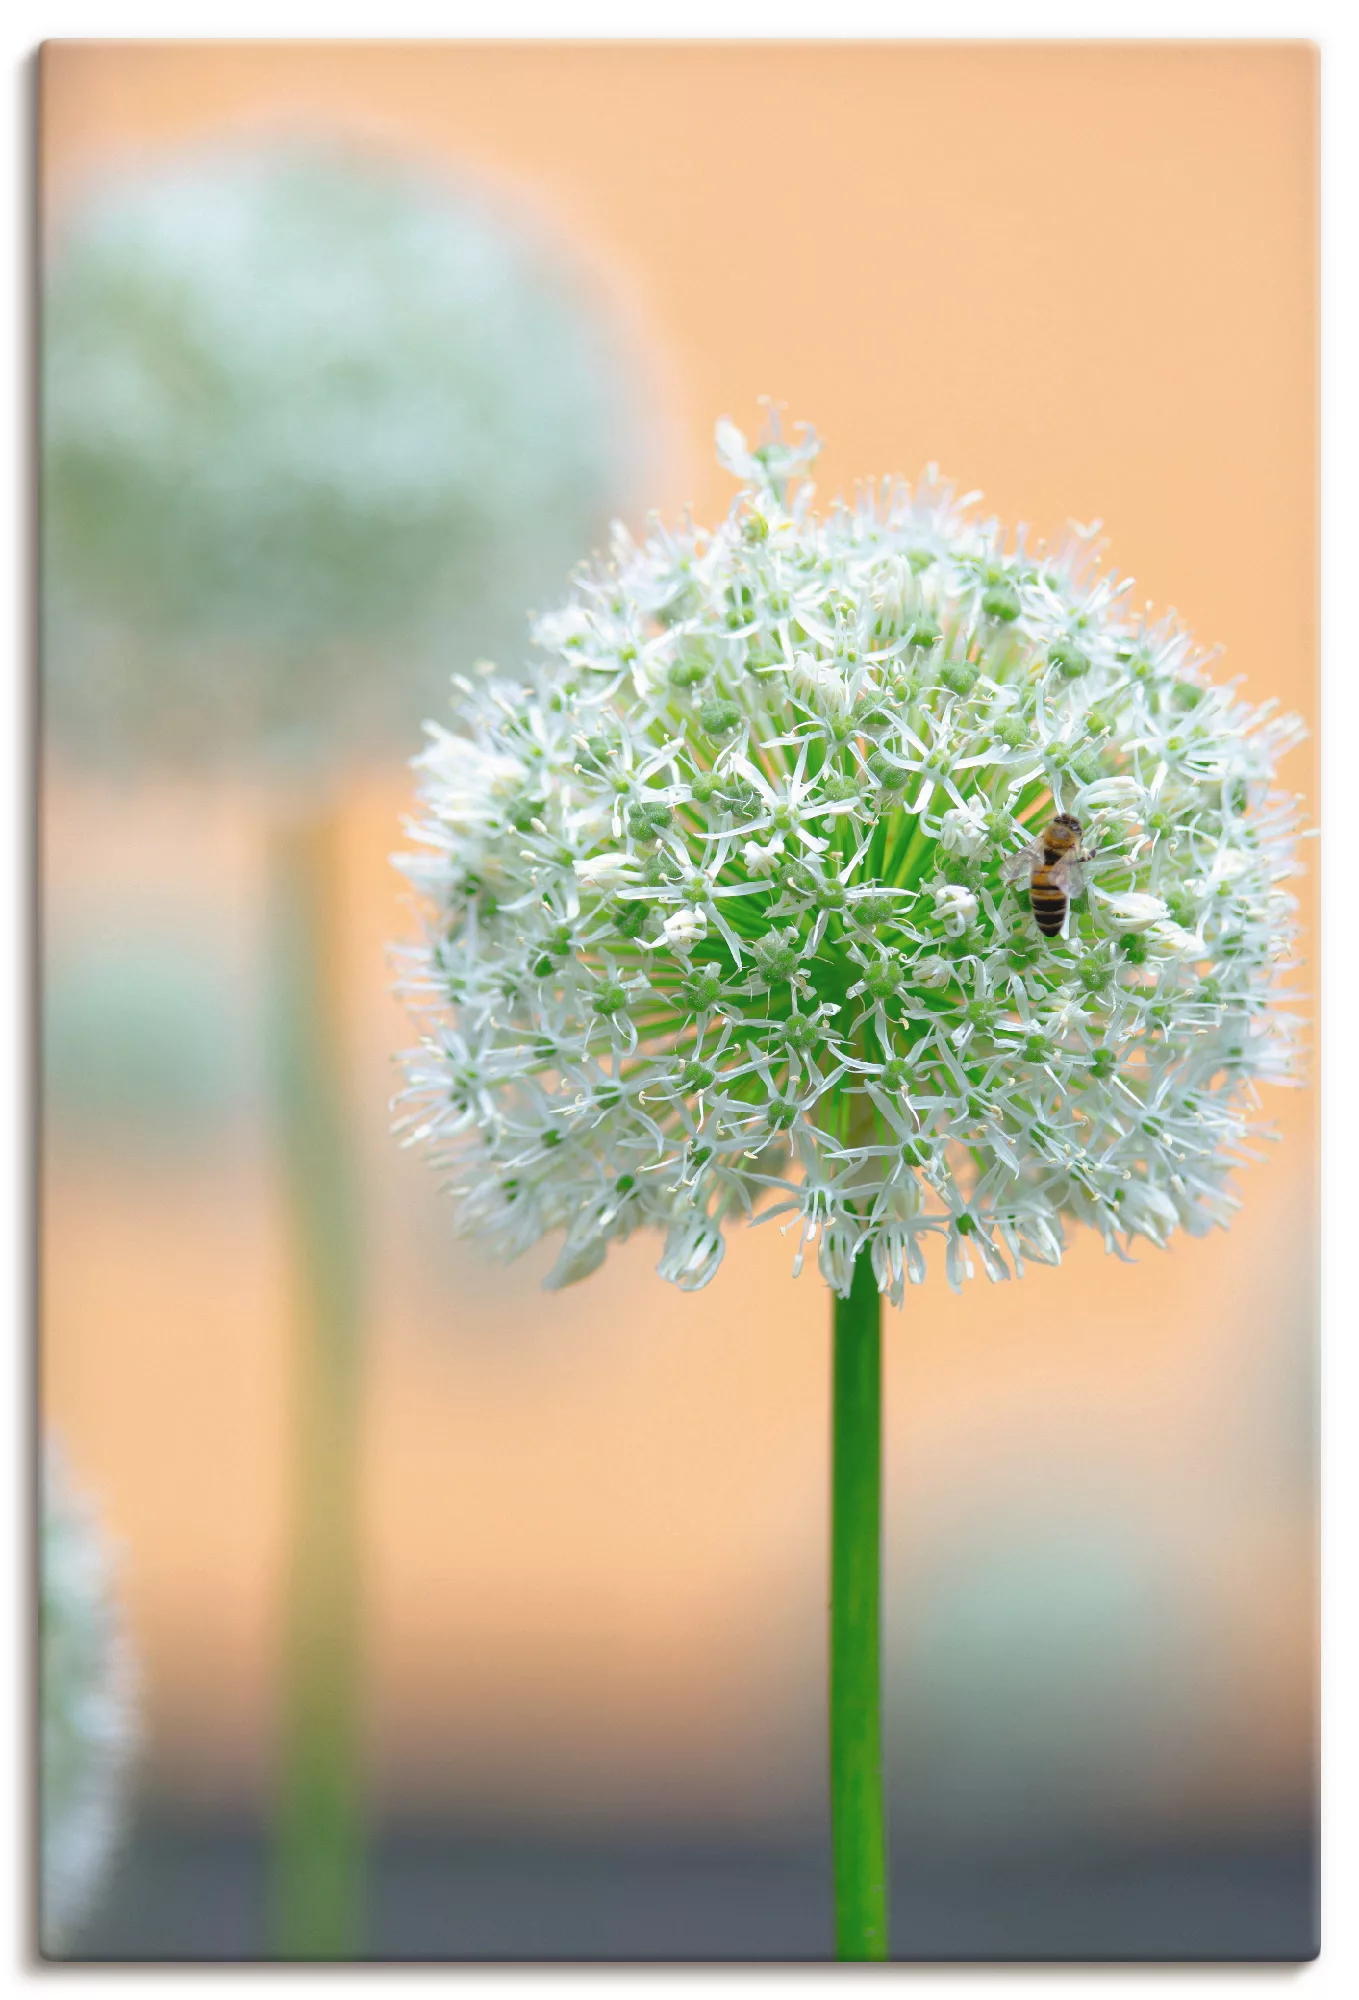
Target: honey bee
<point>1053,862</point>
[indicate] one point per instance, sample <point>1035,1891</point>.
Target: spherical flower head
<point>88,1709</point>
<point>730,912</point>
<point>305,410</point>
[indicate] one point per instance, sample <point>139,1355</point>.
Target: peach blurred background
<point>1081,278</point>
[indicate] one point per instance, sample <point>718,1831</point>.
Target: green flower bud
<point>1070,662</point>
<point>959,676</point>
<point>1001,600</point>
<point>719,717</point>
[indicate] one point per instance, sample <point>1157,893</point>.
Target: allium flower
<point>729,930</point>
<point>88,1713</point>
<point>304,408</point>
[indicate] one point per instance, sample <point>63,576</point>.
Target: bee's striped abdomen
<point>1048,903</point>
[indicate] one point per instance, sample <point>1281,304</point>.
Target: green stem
<point>857,1825</point>
<point>318,1860</point>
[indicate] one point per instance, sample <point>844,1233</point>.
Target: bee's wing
<point>1068,875</point>
<point>1021,863</point>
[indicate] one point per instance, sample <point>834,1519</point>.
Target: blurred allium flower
<point>721,922</point>
<point>300,407</point>
<point>89,1727</point>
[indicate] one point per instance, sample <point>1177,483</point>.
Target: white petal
<point>733,453</point>
<point>1133,911</point>
<point>605,869</point>
<point>1111,792</point>
<point>577,1261</point>
<point>963,828</point>
<point>762,860</point>
<point>1176,940</point>
<point>686,926</point>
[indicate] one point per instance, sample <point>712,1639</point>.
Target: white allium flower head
<point>304,408</point>
<point>89,1721</point>
<point>741,940</point>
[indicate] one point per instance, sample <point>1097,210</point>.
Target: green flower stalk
<point>89,1721</point>
<point>730,920</point>
<point>312,429</point>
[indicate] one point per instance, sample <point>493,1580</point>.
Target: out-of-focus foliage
<point>314,428</point>
<point>89,1727</point>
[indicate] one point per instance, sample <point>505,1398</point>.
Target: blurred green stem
<point>318,1859</point>
<point>857,1831</point>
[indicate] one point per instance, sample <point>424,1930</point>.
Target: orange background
<point>1081,277</point>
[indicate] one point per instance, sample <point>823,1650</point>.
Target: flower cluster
<point>303,407</point>
<point>88,1715</point>
<point>729,909</point>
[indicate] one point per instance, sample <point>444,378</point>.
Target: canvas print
<point>678,1095</point>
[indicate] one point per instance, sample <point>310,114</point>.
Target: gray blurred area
<point>194,1890</point>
